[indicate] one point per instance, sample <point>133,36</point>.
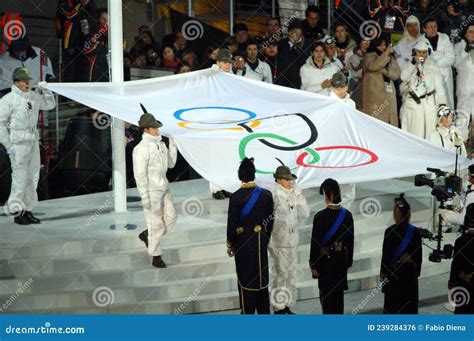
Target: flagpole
<point>118,128</point>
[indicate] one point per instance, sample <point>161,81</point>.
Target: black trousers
<point>332,301</point>
<point>251,300</point>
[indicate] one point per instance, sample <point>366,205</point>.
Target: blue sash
<point>402,247</point>
<point>334,227</point>
<point>251,202</point>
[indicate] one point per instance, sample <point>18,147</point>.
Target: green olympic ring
<point>245,141</point>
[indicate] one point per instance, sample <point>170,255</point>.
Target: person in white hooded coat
<point>464,52</point>
<point>289,206</point>
<point>19,111</point>
<point>411,35</point>
<point>151,160</point>
<point>423,93</point>
<point>443,54</point>
<point>447,136</point>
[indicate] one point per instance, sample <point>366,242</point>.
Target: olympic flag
<point>218,119</point>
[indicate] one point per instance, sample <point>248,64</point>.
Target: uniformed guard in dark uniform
<point>249,226</point>
<point>461,282</point>
<point>332,248</point>
<point>401,262</point>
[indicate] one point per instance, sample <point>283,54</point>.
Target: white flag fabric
<point>217,119</point>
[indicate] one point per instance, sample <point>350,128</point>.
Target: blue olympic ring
<point>250,114</point>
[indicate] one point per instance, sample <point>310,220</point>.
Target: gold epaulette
<point>249,185</point>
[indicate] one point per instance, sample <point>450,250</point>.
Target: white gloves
<point>296,190</point>
<point>42,85</point>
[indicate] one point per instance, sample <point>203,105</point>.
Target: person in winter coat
<point>345,45</point>
<point>423,93</point>
<point>292,54</point>
<point>357,71</point>
<point>411,36</point>
<point>464,52</point>
<point>96,50</point>
<point>446,136</point>
<point>316,74</point>
<point>332,248</point>
<point>249,228</point>
<point>258,67</point>
<point>289,205</point>
<point>379,95</point>
<point>401,262</point>
<point>151,160</point>
<point>19,135</point>
<point>443,54</point>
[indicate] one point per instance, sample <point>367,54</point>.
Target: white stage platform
<point>84,258</point>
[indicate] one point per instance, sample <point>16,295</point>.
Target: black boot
<point>143,236</point>
<point>288,311</point>
<point>158,262</point>
<point>280,312</point>
<point>21,218</point>
<point>32,218</point>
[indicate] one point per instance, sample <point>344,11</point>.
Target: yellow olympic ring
<point>254,124</point>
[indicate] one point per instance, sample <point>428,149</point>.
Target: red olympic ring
<point>373,157</point>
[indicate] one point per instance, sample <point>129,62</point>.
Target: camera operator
<point>457,216</point>
<point>423,92</point>
<point>401,262</point>
<point>462,267</point>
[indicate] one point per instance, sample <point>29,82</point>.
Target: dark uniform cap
<point>284,172</point>
<point>147,120</point>
<point>339,80</point>
<point>240,27</point>
<point>224,55</point>
<point>21,74</point>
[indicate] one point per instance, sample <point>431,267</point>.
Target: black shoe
<point>218,195</point>
<point>21,219</point>
<point>227,194</point>
<point>32,218</point>
<point>288,311</point>
<point>143,236</point>
<point>280,312</point>
<point>158,262</point>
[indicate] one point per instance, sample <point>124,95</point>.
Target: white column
<point>273,9</point>
<point>329,15</point>
<point>118,129</point>
<point>190,8</point>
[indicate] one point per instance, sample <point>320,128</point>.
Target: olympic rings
<point>254,124</point>
<point>251,115</point>
<point>246,140</point>
<point>373,157</point>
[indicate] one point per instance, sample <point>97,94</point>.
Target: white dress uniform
<point>289,205</point>
<point>427,83</point>
<point>444,57</point>
<point>151,160</point>
<point>19,135</point>
<point>464,86</point>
